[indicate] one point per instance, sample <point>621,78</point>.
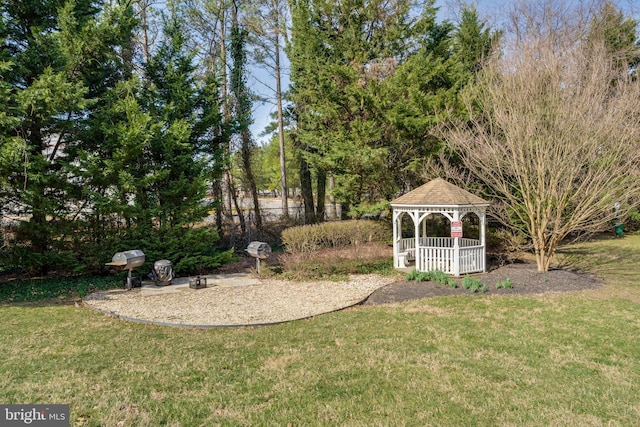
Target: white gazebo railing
<point>453,254</point>
<point>438,253</point>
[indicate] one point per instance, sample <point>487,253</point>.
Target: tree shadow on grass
<point>611,258</point>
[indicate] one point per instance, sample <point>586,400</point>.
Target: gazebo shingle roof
<point>439,192</point>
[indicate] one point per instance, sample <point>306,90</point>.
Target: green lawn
<point>560,359</point>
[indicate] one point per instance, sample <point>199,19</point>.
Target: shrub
<point>474,287</point>
<point>632,222</point>
<point>338,263</point>
<point>190,249</point>
<point>506,241</point>
<point>413,275</point>
<point>335,234</point>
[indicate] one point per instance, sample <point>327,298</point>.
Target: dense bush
<point>336,234</point>
<point>191,251</point>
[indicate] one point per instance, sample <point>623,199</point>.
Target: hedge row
<point>334,234</point>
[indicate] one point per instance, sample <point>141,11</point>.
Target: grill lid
<point>127,259</point>
<point>259,250</point>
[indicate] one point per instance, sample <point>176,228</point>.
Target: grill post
<point>129,284</point>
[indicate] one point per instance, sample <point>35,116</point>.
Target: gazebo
<point>454,254</point>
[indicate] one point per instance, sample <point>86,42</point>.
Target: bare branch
<point>553,131</point>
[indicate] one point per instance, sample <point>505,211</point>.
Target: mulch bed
<point>525,279</point>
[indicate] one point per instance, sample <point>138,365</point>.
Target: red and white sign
<point>456,229</point>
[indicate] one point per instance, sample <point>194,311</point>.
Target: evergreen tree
<point>369,80</point>
<point>473,41</point>
<point>11,146</point>
<point>619,33</point>
<point>173,99</point>
<point>162,144</point>
<point>64,56</point>
<point>473,45</point>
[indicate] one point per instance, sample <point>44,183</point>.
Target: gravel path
<point>240,300</point>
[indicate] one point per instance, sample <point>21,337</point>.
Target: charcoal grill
<point>127,260</point>
<point>260,251</point>
<point>162,273</point>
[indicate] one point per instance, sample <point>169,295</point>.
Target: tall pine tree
<point>369,79</point>
<point>64,55</point>
<point>163,135</point>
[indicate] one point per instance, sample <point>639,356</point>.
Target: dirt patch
<point>524,279</point>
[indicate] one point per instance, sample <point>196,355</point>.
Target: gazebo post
<point>397,234</point>
<point>416,226</point>
<point>483,226</point>
<point>456,247</point>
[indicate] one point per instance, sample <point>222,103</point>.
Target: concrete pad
<point>181,284</point>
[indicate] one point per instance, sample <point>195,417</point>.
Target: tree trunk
<point>332,200</point>
<point>248,170</point>
<point>243,108</point>
<point>307,191</point>
<point>144,5</point>
<point>544,252</point>
<point>38,233</point>
<point>283,159</point>
<point>344,211</point>
<point>226,112</point>
<point>231,188</point>
<point>321,189</point>
<point>217,200</point>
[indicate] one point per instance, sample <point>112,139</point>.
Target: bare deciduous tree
<point>554,133</point>
<point>267,24</point>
